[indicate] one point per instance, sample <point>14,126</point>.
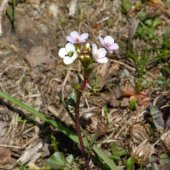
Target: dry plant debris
<point>6,161</point>
<point>31,71</point>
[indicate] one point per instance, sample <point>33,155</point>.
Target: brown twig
<point>77,119</point>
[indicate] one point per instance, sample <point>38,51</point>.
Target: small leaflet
<point>157,117</point>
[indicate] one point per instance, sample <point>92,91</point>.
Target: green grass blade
<point>105,158</point>
<point>72,135</point>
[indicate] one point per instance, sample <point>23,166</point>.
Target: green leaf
<point>126,6</point>
<point>165,70</point>
<point>132,103</point>
<point>153,163</point>
<point>105,157</point>
<point>149,22</point>
<point>153,158</point>
<point>153,166</point>
<point>45,167</point>
<point>156,22</point>
<point>54,143</point>
<point>130,163</point>
<point>70,159</point>
<point>9,13</point>
<point>67,108</point>
<point>117,151</point>
<point>157,118</point>
<point>57,161</point>
<point>164,160</point>
<point>71,101</point>
<point>76,86</point>
<point>142,15</point>
<point>105,109</point>
<point>22,166</point>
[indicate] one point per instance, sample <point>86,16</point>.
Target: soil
<point>31,71</point>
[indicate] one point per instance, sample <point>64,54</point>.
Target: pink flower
<point>76,38</point>
<point>108,43</point>
<point>99,55</point>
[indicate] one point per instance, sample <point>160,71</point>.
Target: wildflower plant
<point>78,49</point>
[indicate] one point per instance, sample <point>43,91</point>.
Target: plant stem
<point>77,119</point>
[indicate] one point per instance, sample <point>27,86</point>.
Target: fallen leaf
<point>156,1</point>
<point>114,102</point>
<point>143,98</point>
<point>6,161</point>
<point>128,92</point>
<point>125,103</point>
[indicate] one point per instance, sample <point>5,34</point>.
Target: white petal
<point>102,60</point>
<point>108,40</point>
<point>74,35</point>
<point>69,39</point>
<point>75,55</point>
<point>101,53</point>
<point>114,46</point>
<point>83,37</point>
<point>70,47</point>
<point>94,49</point>
<point>68,60</point>
<point>102,41</point>
<point>62,52</point>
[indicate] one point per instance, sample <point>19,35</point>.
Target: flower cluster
<point>76,48</point>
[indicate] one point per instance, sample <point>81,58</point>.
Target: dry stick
<point>2,8</point>
<point>77,119</point>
